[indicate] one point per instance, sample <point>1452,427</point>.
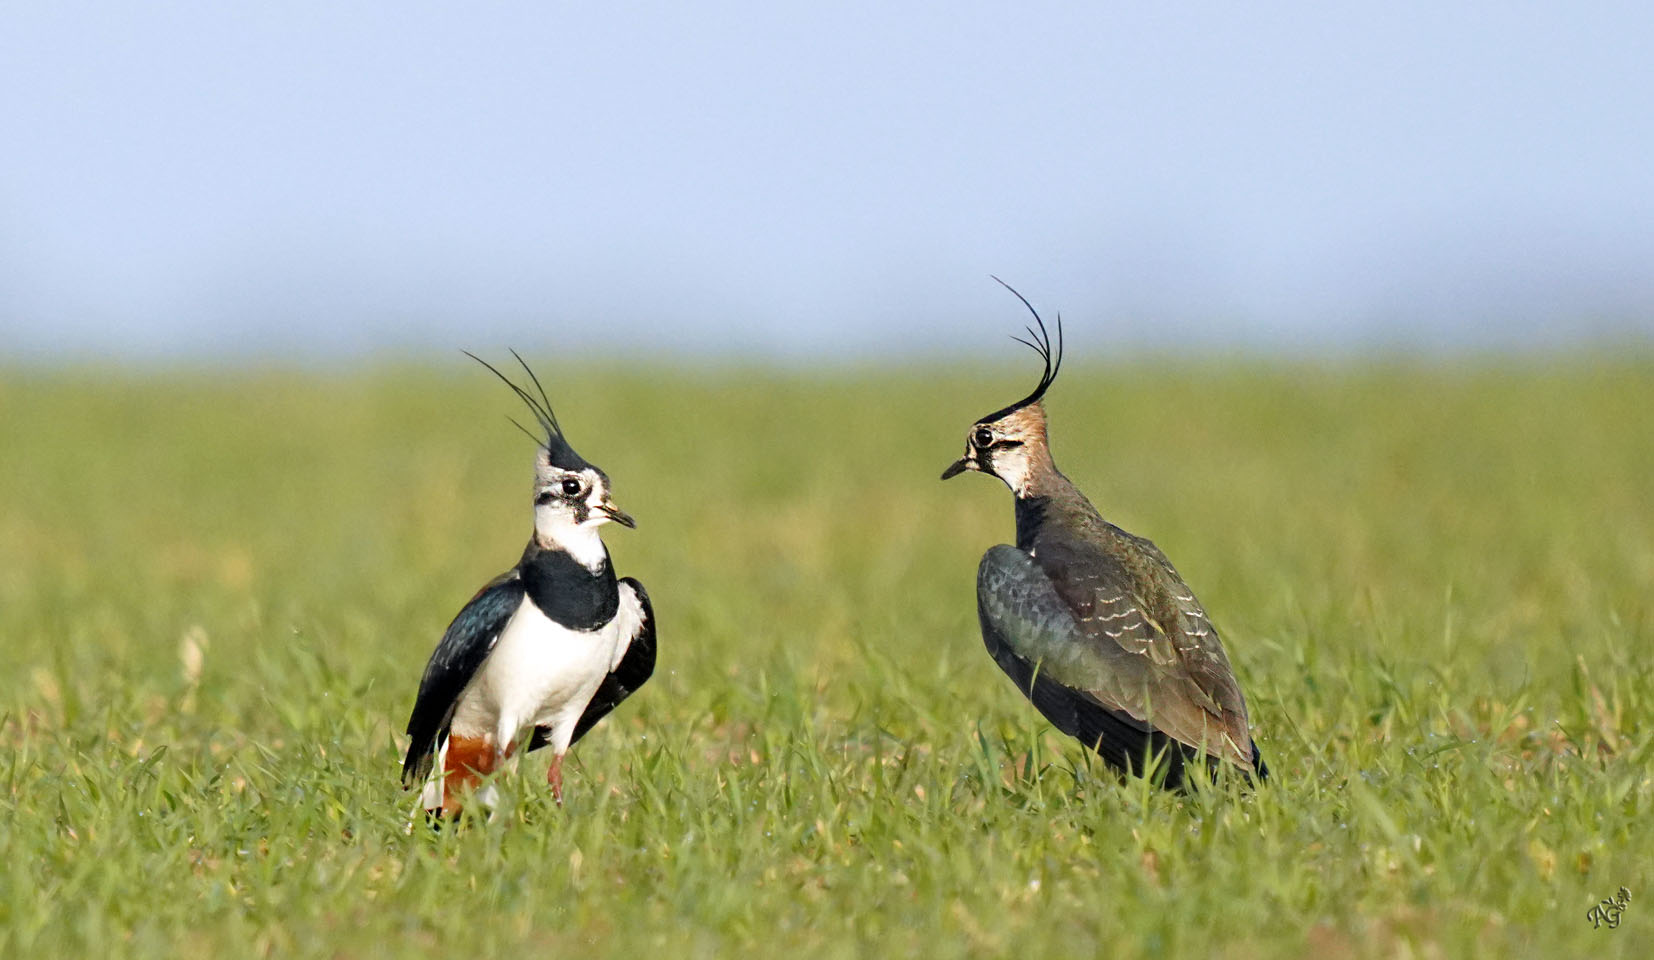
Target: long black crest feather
<point>541,406</point>
<point>1039,342</point>
<point>545,402</point>
<point>526,432</point>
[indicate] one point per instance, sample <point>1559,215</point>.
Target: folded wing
<point>1097,661</point>
<point>457,658</point>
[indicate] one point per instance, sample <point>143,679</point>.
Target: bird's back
<point>1153,651</point>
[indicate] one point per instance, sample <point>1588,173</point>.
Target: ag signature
<point>1608,911</point>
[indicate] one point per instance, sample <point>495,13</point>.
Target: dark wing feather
<point>461,652</point>
<point>1096,659</point>
<point>1133,598</point>
<point>1122,741</point>
<point>634,669</point>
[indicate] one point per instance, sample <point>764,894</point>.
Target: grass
<point>217,594</point>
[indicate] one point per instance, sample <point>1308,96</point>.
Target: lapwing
<point>1091,623</point>
<point>546,649</point>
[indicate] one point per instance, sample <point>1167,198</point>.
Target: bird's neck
<point>577,540</point>
<point>1049,497</point>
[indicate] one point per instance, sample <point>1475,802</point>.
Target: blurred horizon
<point>306,184</point>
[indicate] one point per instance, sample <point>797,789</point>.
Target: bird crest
<point>558,453</point>
<point>1039,341</point>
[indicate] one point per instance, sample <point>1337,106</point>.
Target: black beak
<point>617,515</point>
<point>959,466</point>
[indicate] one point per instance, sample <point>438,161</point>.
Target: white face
<point>569,500</point>
<point>1001,452</point>
<point>1011,447</point>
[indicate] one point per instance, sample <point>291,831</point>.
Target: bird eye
<point>571,487</point>
<point>983,437</point>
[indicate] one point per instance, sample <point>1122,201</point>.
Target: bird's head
<point>571,496</point>
<point>1011,443</point>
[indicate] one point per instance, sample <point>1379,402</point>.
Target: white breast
<point>540,673</point>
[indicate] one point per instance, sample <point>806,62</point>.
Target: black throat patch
<point>1030,517</point>
<point>566,592</point>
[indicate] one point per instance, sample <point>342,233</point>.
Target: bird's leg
<point>554,777</point>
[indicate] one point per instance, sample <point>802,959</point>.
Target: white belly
<point>540,673</point>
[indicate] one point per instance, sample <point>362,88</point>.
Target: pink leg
<point>554,776</point>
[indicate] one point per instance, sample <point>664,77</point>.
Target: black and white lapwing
<point>546,649</point>
<point>1091,623</point>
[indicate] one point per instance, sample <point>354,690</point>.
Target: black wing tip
<point>415,769</point>
<point>1168,761</point>
<point>421,756</point>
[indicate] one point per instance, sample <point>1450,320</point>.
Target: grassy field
<point>1436,583</point>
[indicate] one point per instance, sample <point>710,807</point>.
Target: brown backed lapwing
<point>1091,623</point>
<point>546,649</point>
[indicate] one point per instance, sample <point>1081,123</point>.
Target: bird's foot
<point>554,777</point>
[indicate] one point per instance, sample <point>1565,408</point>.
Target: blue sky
<point>307,179</point>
